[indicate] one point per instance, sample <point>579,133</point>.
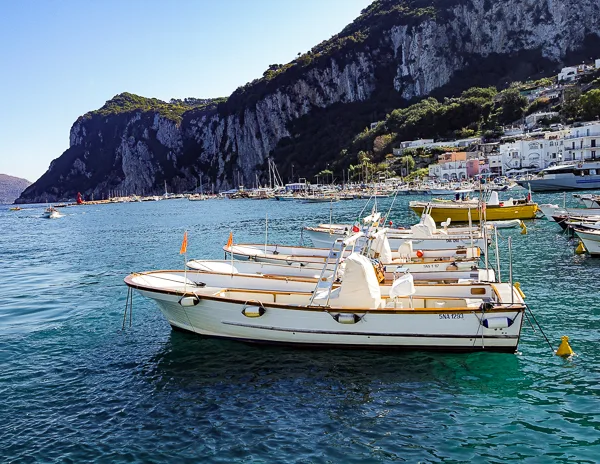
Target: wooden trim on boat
<point>496,309</point>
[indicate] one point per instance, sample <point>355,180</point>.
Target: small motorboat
<point>590,239</point>
<point>51,213</point>
<point>354,314</point>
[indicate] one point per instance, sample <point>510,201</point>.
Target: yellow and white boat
<point>493,209</point>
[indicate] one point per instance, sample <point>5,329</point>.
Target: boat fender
<point>344,318</point>
<point>189,301</point>
<point>253,311</point>
<point>420,253</point>
<point>497,322</point>
<point>452,267</point>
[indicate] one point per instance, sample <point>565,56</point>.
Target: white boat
<point>460,317</point>
<point>549,210</point>
<point>51,213</point>
<point>425,235</point>
<point>321,199</point>
<point>508,224</point>
<point>588,200</point>
<point>445,270</point>
<point>591,240</point>
<point>575,212</point>
<point>571,176</point>
<point>317,257</point>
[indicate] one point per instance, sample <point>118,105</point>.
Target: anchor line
<point>128,305</point>
<point>540,327</point>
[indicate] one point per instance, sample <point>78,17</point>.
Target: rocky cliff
<point>11,187</point>
<point>396,51</point>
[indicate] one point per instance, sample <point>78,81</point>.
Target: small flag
<point>183,249</point>
<point>230,240</point>
<point>355,228</point>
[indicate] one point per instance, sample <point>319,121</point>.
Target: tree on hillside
<point>590,104</point>
<point>513,106</point>
<point>571,107</point>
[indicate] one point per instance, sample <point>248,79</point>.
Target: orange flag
<point>230,240</point>
<point>183,249</point>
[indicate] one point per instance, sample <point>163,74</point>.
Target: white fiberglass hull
<point>324,239</point>
<point>391,328</point>
<point>316,257</point>
<point>549,210</point>
<point>264,276</point>
<point>591,241</point>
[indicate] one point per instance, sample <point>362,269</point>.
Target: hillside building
<point>582,143</point>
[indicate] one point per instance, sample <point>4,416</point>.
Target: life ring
<point>419,253</point>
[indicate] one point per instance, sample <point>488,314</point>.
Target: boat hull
<point>493,213</point>
<point>324,239</point>
<point>561,184</point>
<point>591,241</point>
<point>380,329</point>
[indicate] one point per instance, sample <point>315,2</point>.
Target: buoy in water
<point>580,248</point>
<point>564,349</point>
<point>523,228</point>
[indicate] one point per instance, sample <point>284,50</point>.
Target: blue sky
<point>62,58</point>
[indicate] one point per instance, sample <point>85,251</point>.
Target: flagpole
<point>184,266</point>
<point>231,250</point>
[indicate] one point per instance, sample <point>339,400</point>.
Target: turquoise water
<point>74,387</point>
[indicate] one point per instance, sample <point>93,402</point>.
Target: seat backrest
<point>359,288</point>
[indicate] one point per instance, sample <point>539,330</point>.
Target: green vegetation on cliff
<point>128,102</point>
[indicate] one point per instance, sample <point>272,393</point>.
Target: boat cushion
<point>403,286</point>
<point>381,246</point>
<point>360,288</point>
<point>220,267</point>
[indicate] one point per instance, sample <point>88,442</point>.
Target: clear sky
<point>62,58</point>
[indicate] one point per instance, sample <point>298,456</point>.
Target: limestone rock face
<point>139,150</point>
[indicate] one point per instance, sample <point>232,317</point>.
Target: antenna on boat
<point>497,254</point>
<point>266,230</point>
<point>510,274</point>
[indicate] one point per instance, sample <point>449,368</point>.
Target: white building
<point>598,63</point>
<point>495,163</point>
<point>534,118</point>
<point>568,74</point>
<point>530,155</point>
<point>582,143</point>
<point>429,143</point>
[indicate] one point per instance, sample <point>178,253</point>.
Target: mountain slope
<point>302,113</point>
<point>11,187</point>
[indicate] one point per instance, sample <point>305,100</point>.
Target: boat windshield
<point>563,170</point>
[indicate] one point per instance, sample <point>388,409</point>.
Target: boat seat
<point>473,302</point>
<point>222,268</point>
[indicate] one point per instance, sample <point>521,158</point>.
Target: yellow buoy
<point>523,228</point>
<point>564,349</point>
<point>580,248</point>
